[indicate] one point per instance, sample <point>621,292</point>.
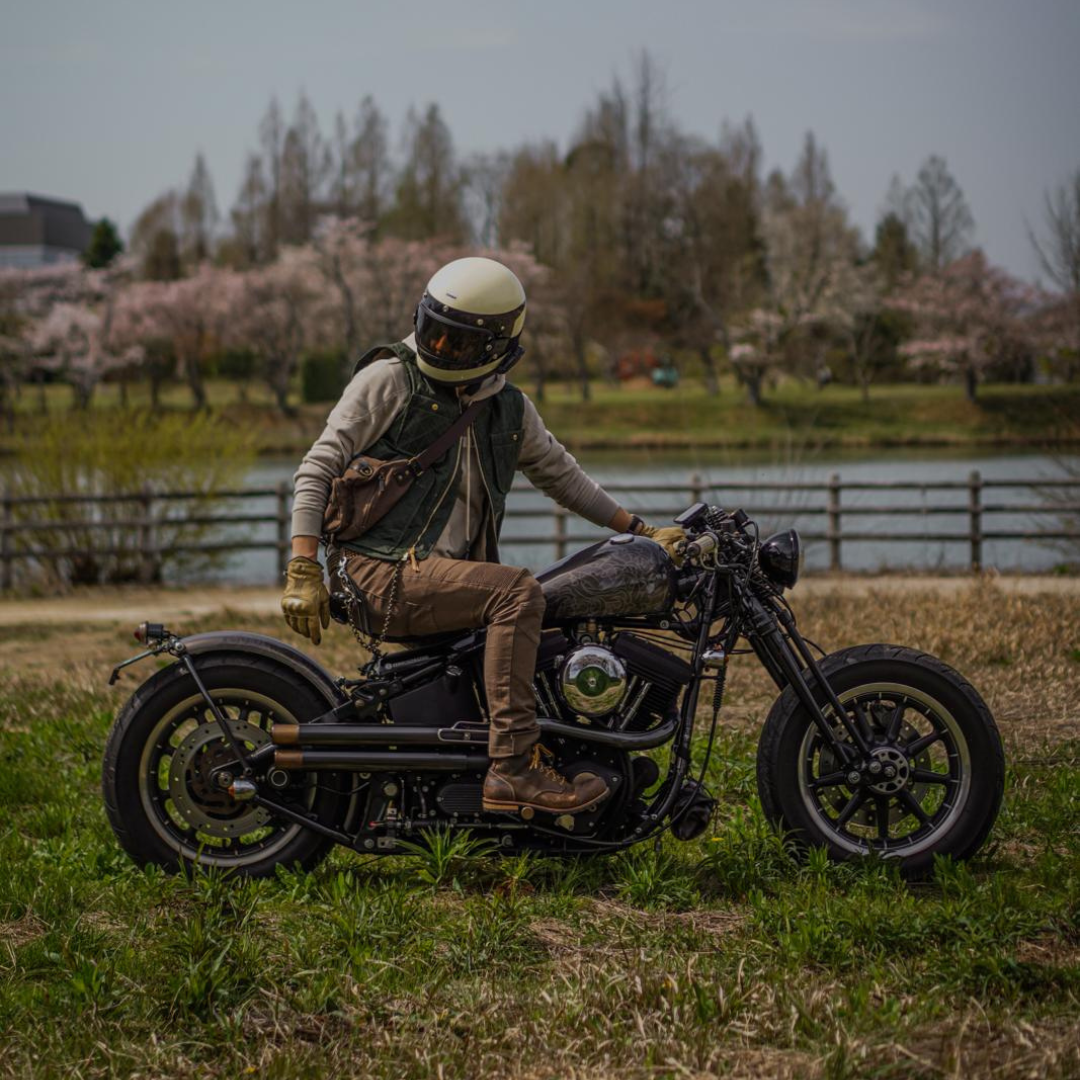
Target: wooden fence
<point>150,515</point>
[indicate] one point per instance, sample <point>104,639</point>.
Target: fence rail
<point>154,511</point>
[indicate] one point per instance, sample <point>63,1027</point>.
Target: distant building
<point>35,231</point>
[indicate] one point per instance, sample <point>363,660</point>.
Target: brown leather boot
<point>524,781</point>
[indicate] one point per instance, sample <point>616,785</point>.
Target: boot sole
<point>516,806</point>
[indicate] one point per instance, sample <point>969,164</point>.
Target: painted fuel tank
<point>622,576</point>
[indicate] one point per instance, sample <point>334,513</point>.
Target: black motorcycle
<point>246,754</point>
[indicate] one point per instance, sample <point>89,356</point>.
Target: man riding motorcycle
<point>430,565</point>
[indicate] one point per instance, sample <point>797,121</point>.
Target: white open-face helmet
<point>469,320</point>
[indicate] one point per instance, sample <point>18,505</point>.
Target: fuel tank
<point>619,577</point>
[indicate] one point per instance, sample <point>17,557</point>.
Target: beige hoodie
<point>369,404</point>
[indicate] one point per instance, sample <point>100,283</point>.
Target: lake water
<point>672,470</point>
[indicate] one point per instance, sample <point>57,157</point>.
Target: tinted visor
<point>454,345</point>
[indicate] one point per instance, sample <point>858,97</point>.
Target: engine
<point>629,683</point>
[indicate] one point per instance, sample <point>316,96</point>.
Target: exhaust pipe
<point>342,735</point>
<point>380,761</point>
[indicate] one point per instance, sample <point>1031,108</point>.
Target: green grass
<point>793,412</point>
<point>719,957</point>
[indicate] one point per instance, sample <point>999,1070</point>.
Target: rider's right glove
<point>305,602</point>
<point>669,537</point>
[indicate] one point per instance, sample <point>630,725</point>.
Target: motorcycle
<point>245,754</point>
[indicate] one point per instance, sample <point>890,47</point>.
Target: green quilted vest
<point>419,518</point>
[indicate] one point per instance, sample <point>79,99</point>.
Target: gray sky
<point>107,102</point>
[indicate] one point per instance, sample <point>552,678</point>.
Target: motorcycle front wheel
<point>160,775</point>
<point>934,780</point>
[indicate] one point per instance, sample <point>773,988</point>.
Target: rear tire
<point>940,764</point>
<point>162,746</point>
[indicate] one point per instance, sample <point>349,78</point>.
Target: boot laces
<point>537,762</point>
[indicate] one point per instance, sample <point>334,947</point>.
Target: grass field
<point>903,414</point>
<point>722,957</point>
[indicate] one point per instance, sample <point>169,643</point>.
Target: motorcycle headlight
<point>779,558</point>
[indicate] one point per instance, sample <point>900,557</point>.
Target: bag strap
<point>423,461</point>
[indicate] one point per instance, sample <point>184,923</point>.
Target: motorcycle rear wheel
<point>157,780</point>
<point>938,763</point>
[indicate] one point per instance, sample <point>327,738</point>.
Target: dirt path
<point>160,605</point>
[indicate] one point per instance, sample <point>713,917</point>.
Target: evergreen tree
<point>894,253</point>
<point>162,259</point>
<point>939,220</point>
<point>428,200</point>
<point>105,244</point>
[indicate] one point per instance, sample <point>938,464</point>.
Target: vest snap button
<point>435,406</point>
<point>515,436</point>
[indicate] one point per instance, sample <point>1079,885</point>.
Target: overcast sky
<point>107,102</point>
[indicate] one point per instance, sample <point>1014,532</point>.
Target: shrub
<point>322,376</point>
<point>104,455</point>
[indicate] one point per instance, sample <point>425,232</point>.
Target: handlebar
<point>704,544</point>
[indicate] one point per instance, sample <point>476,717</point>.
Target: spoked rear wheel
<point>931,785</point>
<point>167,771</point>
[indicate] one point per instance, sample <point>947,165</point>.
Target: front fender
<point>240,641</point>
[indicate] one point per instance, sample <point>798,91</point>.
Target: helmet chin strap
<point>511,358</point>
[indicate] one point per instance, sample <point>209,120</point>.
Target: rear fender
<point>234,642</point>
<point>239,641</point>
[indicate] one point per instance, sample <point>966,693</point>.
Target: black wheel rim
<point>908,795</point>
<point>194,816</point>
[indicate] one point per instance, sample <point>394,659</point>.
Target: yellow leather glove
<point>305,602</point>
<point>668,537</point>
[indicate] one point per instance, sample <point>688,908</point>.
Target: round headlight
<point>779,558</point>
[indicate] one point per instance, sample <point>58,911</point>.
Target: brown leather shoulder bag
<point>370,488</point>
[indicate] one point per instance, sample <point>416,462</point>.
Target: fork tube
<point>854,730</point>
<point>769,640</point>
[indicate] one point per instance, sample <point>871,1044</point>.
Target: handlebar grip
<point>701,546</point>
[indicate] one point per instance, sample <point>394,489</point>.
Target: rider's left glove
<point>305,602</point>
<point>668,537</point>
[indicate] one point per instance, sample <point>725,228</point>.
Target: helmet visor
<point>456,346</point>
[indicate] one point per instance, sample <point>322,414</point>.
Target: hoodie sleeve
<point>361,417</point>
<point>555,471</point>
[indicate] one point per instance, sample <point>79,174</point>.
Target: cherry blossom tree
<point>193,313</point>
<point>969,317</point>
<point>273,316</point>
<point>811,259</point>
<point>851,308</point>
<point>369,288</point>
<point>1058,249</point>
<point>71,334</point>
<point>1055,330</point>
<point>756,352</point>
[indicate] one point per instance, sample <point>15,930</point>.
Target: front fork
<point>781,656</point>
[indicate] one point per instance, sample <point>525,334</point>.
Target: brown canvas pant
<point>441,595</point>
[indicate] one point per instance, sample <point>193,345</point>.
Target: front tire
<point>156,779</point>
<point>937,759</point>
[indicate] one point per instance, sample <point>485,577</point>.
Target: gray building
<point>35,231</point>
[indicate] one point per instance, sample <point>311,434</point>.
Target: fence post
<point>282,527</point>
<point>695,488</point>
<point>975,518</point>
<point>833,527</point>
<point>6,518</point>
<point>148,561</point>
<point>560,533</point>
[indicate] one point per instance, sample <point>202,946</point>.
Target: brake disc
<point>202,803</point>
<point>839,796</point>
